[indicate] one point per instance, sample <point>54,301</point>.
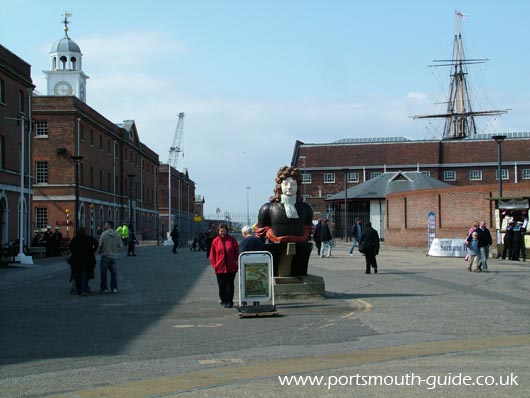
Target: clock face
<point>63,88</point>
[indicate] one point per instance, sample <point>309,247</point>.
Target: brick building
<point>117,172</point>
<point>455,209</point>
<point>16,89</point>
<point>329,168</point>
<point>176,196</point>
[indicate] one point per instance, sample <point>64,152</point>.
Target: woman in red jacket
<point>223,258</point>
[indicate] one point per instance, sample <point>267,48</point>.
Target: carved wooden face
<point>289,186</point>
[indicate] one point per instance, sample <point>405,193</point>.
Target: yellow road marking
<point>231,374</point>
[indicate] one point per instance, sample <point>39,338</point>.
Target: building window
<point>505,174</point>
<point>21,102</point>
<point>41,129</point>
<point>353,177</point>
<point>41,172</point>
<point>329,178</point>
<point>426,173</point>
<point>526,174</point>
<point>306,178</point>
<point>100,142</point>
<point>374,174</point>
<point>2,91</point>
<point>91,137</point>
<point>41,217</point>
<point>449,175</point>
<point>475,175</point>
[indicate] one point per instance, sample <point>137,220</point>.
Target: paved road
<point>165,335</point>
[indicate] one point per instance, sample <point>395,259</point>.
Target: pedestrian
<point>131,241</point>
<point>48,239</point>
<point>83,260</point>
<point>356,233</point>
<point>316,236</point>
<point>109,244</point>
<point>123,231</point>
<point>175,238</point>
<point>57,240</point>
<point>250,243</point>
<point>326,238</point>
<point>508,240</point>
<point>517,240</point>
<point>484,243</point>
<point>211,234</point>
<point>224,253</point>
<point>369,245</point>
<point>473,253</point>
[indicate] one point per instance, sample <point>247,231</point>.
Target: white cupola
<point>66,76</point>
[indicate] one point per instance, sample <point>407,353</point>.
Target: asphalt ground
<point>420,322</point>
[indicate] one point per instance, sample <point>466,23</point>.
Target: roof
<point>65,45</point>
<point>388,183</point>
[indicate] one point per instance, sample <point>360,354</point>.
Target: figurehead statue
<point>287,219</point>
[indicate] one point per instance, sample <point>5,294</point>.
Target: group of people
<point>83,248</point>
<point>366,240</point>
<point>478,243</point>
<point>52,241</point>
<point>514,244</point>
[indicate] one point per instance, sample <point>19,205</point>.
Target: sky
<point>252,77</point>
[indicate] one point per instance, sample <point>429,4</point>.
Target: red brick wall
<point>455,208</point>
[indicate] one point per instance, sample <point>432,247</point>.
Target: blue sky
<point>252,77</point>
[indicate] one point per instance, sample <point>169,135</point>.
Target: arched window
<point>63,61</point>
<point>73,62</point>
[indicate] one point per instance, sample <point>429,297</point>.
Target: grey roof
<point>367,140</point>
<point>390,182</point>
<point>65,45</point>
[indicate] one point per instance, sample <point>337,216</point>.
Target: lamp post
<point>345,205</point>
<point>130,177</point>
<point>248,209</point>
<point>499,139</point>
<point>77,160</point>
<point>303,158</point>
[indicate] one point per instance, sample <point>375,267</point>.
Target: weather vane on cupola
<point>66,21</point>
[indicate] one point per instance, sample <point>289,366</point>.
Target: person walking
<point>131,242</point>
<point>484,243</point>
<point>356,233</point>
<point>211,234</point>
<point>369,245</point>
<point>109,244</point>
<point>83,260</point>
<point>123,231</point>
<point>326,238</point>
<point>316,236</point>
<point>250,243</point>
<point>224,254</point>
<point>474,253</point>
<point>508,241</point>
<point>175,238</point>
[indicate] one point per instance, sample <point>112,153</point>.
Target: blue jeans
<point>353,244</point>
<point>108,264</point>
<point>484,253</point>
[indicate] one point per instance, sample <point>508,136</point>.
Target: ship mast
<point>459,117</point>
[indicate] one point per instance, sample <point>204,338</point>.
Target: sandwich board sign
<point>256,287</point>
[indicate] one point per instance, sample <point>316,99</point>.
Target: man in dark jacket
<point>250,243</point>
<point>369,243</point>
<point>83,260</point>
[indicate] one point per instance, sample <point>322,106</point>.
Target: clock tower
<point>66,76</point>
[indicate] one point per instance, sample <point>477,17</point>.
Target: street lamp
<point>303,158</point>
<point>499,139</point>
<point>130,177</point>
<point>345,205</point>
<point>77,160</point>
<point>248,211</point>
